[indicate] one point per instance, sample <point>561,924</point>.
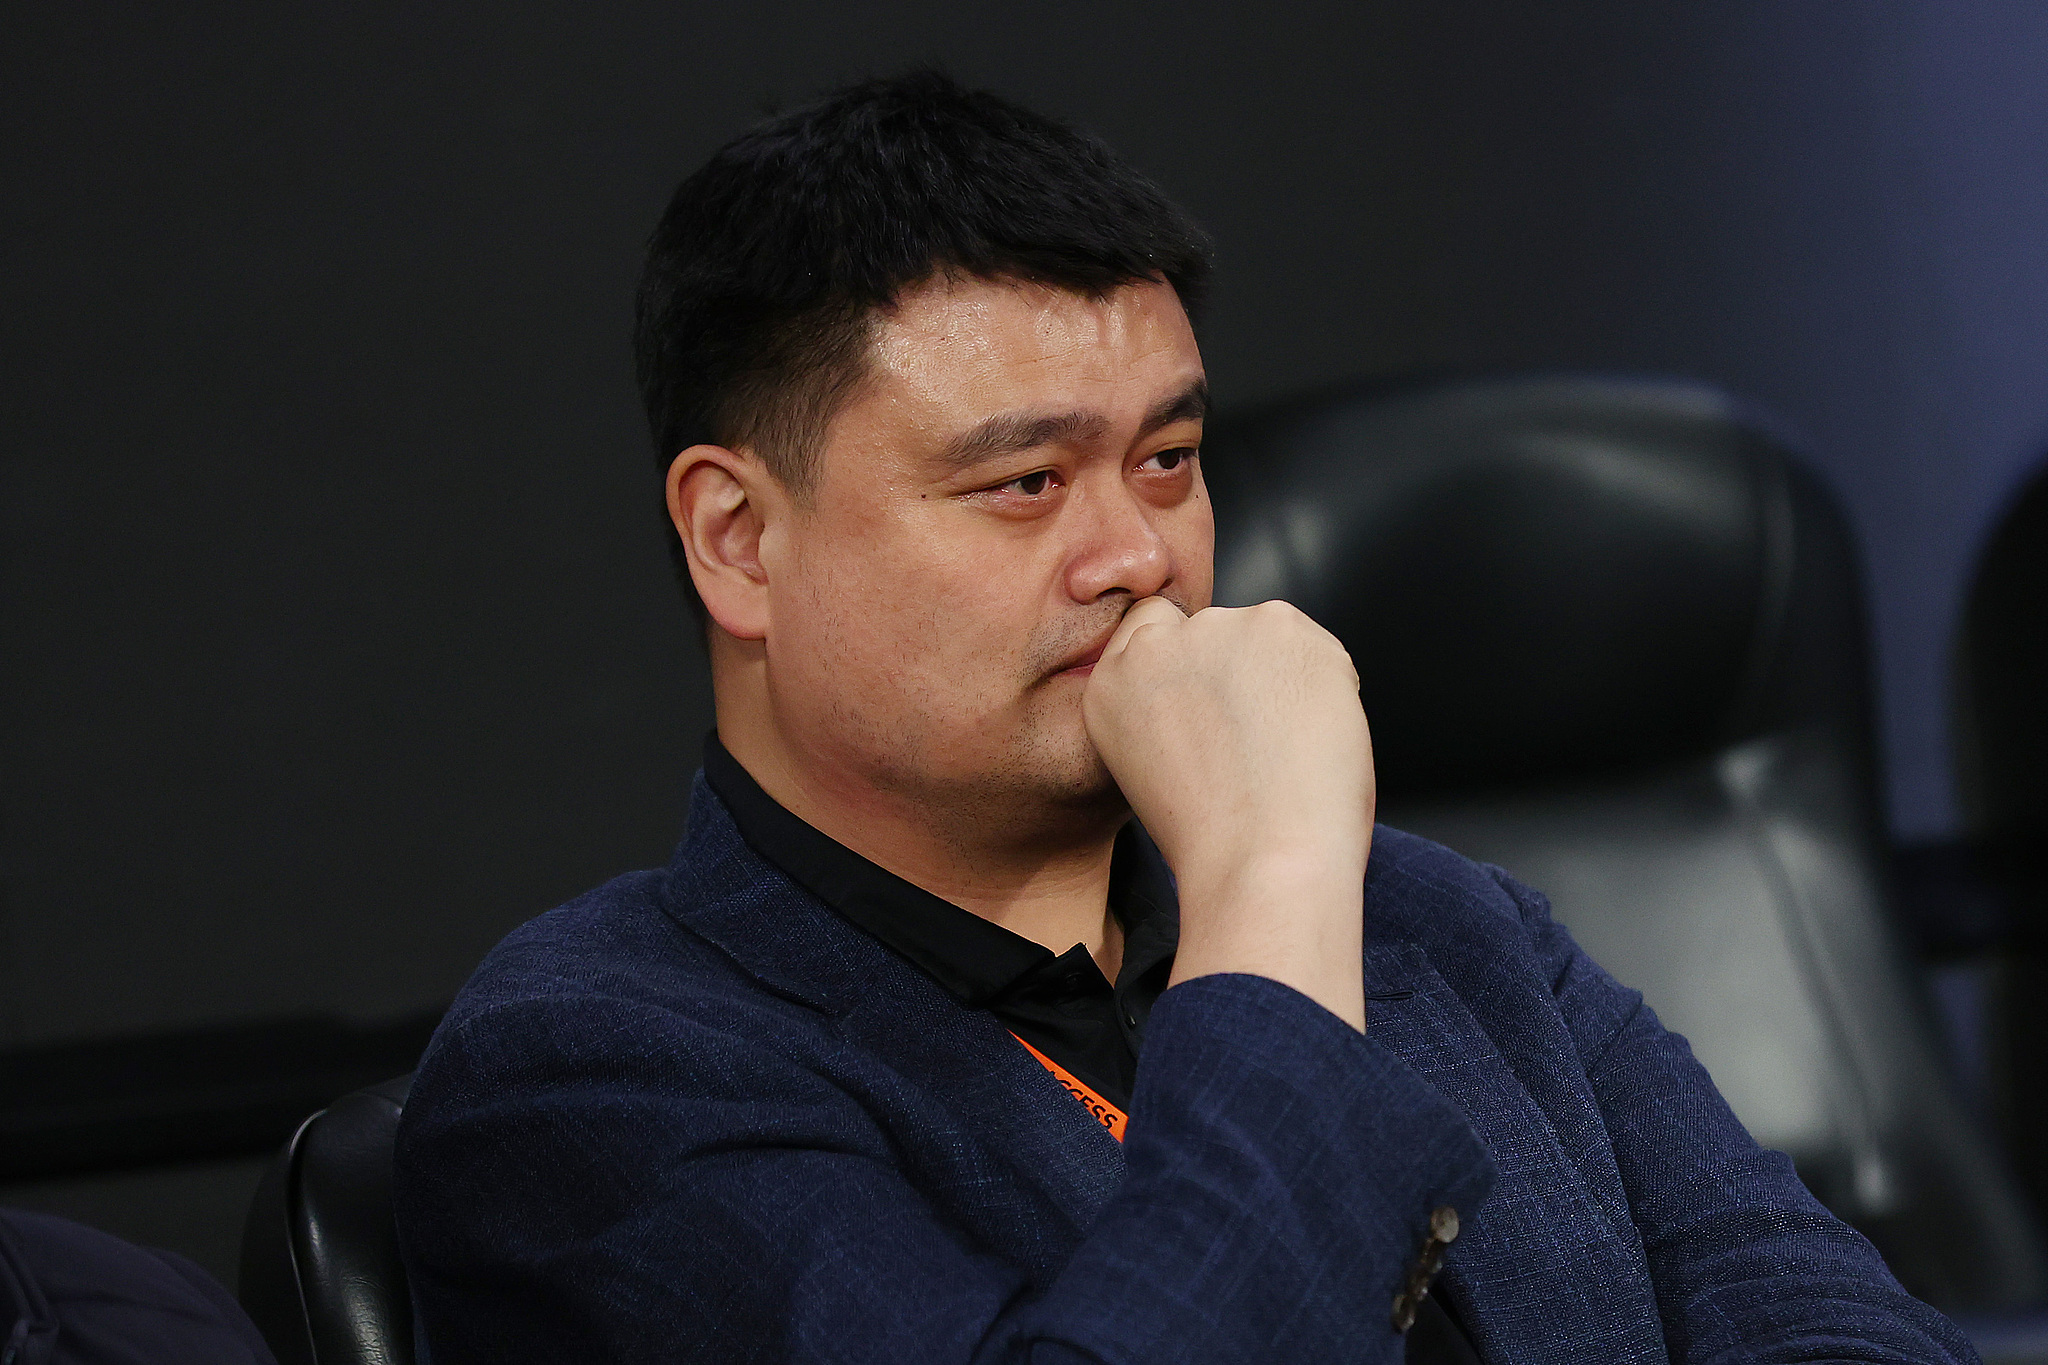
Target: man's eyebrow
<point>1007,433</point>
<point>1011,432</point>
<point>1191,404</point>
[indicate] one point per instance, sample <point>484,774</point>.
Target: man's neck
<point>1054,892</point>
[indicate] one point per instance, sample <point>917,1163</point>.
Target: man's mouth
<point>1080,670</point>
<point>1082,664</point>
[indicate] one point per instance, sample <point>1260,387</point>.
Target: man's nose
<point>1117,548</point>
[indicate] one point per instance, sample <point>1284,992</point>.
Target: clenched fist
<point>1238,738</point>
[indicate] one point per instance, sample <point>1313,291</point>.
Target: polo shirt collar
<point>974,960</point>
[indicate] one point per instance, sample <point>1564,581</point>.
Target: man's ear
<point>717,498</point>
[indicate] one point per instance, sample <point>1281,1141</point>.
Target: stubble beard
<point>1044,785</point>
<point>1053,776</point>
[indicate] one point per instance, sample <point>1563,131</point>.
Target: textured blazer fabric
<point>696,1116</point>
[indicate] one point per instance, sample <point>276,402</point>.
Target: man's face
<point>1017,471</point>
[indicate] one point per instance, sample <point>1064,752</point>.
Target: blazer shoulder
<point>617,947</point>
<point>1418,885</point>
<point>1485,931</point>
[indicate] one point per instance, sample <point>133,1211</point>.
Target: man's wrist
<point>1293,918</point>
<point>1295,869</point>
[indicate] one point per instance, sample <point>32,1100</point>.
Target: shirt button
<point>1130,1019</point>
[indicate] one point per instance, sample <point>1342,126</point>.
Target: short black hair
<point>764,275</point>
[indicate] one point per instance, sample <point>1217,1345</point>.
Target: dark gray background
<point>336,625</point>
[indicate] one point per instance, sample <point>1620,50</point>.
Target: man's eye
<point>1031,485</point>
<point>1170,460</point>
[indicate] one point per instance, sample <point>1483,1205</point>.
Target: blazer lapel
<point>1544,1269</point>
<point>1033,1145</point>
<point>999,1092</point>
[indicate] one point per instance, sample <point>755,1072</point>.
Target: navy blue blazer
<point>696,1116</point>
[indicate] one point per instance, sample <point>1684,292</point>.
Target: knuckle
<point>1145,638</point>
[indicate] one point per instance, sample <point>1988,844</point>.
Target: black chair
<point>1610,637</point>
<point>2001,746</point>
<point>320,1274</point>
<point>2002,730</point>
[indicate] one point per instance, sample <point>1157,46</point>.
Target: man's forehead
<point>954,353</point>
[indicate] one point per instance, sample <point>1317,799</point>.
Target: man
<point>921,1049</point>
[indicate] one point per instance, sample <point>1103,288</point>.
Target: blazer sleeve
<point>1748,1266</point>
<point>629,1185</point>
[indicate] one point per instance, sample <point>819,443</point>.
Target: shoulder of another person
<point>92,1296</point>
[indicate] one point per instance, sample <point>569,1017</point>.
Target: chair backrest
<point>2002,729</point>
<point>2001,751</point>
<point>321,1274</point>
<point>1610,637</point>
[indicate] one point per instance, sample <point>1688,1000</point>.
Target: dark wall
<point>337,630</point>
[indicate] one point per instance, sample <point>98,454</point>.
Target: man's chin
<point>1085,785</point>
<point>1064,772</point>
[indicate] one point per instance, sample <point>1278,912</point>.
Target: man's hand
<point>1238,738</point>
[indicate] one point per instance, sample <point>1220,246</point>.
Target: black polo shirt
<point>1059,1003</point>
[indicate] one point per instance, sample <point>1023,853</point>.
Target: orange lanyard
<point>1106,1114</point>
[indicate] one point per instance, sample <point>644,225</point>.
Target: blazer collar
<point>797,947</point>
